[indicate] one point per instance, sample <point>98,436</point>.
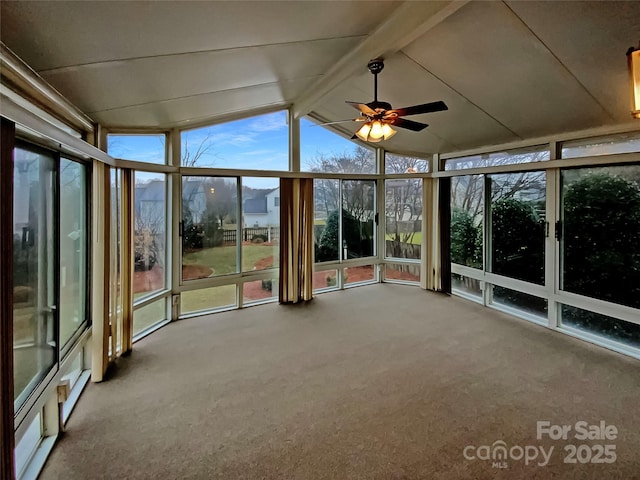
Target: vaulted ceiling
<point>507,70</point>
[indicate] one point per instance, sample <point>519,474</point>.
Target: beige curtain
<point>296,240</point>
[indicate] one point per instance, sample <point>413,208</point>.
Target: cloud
<point>268,123</point>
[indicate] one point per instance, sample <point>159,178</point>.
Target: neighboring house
<point>150,200</point>
<point>194,198</point>
<point>263,209</point>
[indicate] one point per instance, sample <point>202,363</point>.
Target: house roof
<point>153,191</point>
<point>191,187</point>
<point>507,70</point>
<point>255,205</point>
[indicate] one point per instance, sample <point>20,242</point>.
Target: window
<point>150,202</point>
<point>326,280</point>
<point>256,143</point>
<point>358,216</point>
<point>467,213</point>
<point>347,232</point>
<point>604,326</point>
<point>322,150</point>
<point>209,227</point>
<point>137,147</point>
<point>622,143</point>
<point>402,272</point>
<point>208,299</point>
<point>149,315</point>
<point>115,273</point>
<point>535,306</point>
<point>73,248</point>
<point>360,275</point>
<point>494,159</point>
<point>326,221</point>
<point>600,242</point>
<point>403,218</point>
<point>467,286</point>
<point>259,291</point>
<point>35,344</point>
<point>403,164</point>
<point>517,225</point>
<point>261,223</point>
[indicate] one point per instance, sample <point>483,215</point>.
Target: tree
<point>149,225</point>
<point>403,213</point>
<point>356,237</point>
<point>403,164</point>
<point>468,194</point>
<point>192,154</point>
<point>356,196</point>
<point>361,160</point>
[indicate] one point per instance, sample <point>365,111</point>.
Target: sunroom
<point>163,161</point>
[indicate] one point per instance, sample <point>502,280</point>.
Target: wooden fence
<point>249,234</point>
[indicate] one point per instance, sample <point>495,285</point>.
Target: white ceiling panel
<point>111,85</point>
<point>590,39</point>
<point>507,71</point>
<point>197,108</point>
<point>487,54</point>
<point>403,83</point>
<point>52,34</point>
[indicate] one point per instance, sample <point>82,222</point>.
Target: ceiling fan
<point>379,116</point>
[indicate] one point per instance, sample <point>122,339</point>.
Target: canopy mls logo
<point>500,454</point>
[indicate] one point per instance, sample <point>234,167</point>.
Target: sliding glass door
<point>34,248</point>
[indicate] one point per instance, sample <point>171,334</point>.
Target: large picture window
<point>256,143</point>
<point>209,227</point>
<point>345,217</point>
<point>600,242</point>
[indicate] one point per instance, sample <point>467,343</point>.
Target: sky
<point>256,143</point>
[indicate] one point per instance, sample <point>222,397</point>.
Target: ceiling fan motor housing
<point>376,66</point>
<point>375,105</point>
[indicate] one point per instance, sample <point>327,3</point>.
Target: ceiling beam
<point>408,22</point>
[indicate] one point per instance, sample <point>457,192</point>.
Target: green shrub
<point>601,239</point>
<point>517,240</point>
<point>466,240</point>
<point>259,238</point>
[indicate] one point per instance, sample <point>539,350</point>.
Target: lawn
<point>223,259</point>
<point>415,240</point>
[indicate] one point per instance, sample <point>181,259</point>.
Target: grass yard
<point>415,240</point>
<point>223,259</point>
<point>201,264</point>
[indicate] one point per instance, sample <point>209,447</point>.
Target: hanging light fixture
<point>633,57</point>
<point>374,131</point>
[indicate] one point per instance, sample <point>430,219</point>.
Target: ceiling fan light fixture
<point>375,131</point>
<point>633,56</point>
<point>363,131</point>
<point>388,131</point>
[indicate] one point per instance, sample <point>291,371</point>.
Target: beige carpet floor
<point>377,382</point>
